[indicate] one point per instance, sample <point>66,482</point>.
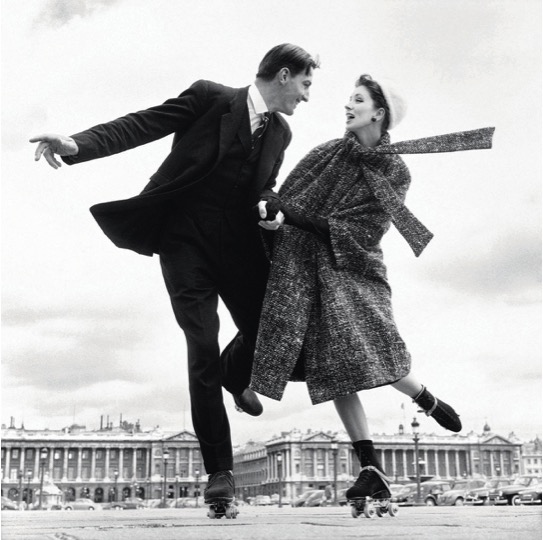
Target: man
<point>196,213</point>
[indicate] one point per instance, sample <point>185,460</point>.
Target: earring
<point>373,119</point>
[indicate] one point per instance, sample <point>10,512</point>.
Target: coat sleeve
<point>136,129</point>
<point>357,227</point>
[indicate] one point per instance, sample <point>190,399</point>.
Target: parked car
<point>8,504</point>
<point>457,494</point>
<point>510,494</point>
<point>341,498</point>
<point>318,498</point>
<point>185,502</point>
<point>263,500</point>
<point>488,492</point>
<point>430,491</point>
<point>531,495</point>
<point>133,503</point>
<point>82,504</point>
<point>300,501</point>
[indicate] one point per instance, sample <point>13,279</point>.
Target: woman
<point>327,316</point>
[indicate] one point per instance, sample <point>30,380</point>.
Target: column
<point>65,465</point>
<point>7,463</point>
<point>190,472</point>
<point>426,471</point>
<point>177,460</point>
<point>492,470</point>
<point>457,460</point>
<point>79,463</point>
<point>106,465</point>
<point>93,464</point>
<point>404,458</point>
<point>36,463</point>
<point>121,463</point>
<point>51,463</point>
<point>134,457</point>
<point>148,472</point>
<point>447,467</point>
<point>394,470</point>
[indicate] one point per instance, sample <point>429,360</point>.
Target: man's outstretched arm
<point>50,144</point>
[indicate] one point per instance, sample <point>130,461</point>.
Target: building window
<point>99,454</point>
<point>14,453</point>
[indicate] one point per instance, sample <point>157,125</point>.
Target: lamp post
<point>334,446</point>
<point>197,485</point>
<point>116,475</point>
<point>20,478</point>
<point>165,456</point>
<point>415,426</point>
<point>280,475</point>
<point>43,456</point>
<point>28,477</point>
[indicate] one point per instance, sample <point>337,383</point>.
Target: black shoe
<point>443,414</point>
<point>370,483</point>
<point>248,402</point>
<point>220,486</point>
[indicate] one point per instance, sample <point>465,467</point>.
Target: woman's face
<point>360,109</point>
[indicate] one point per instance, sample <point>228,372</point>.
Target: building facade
<point>297,461</point>
<point>109,464</point>
<point>114,463</point>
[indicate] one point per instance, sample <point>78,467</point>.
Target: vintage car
<point>510,494</point>
<point>316,499</point>
<point>430,491</point>
<point>300,501</point>
<point>132,503</point>
<point>456,496</point>
<point>531,495</point>
<point>8,504</point>
<point>488,492</point>
<point>82,504</point>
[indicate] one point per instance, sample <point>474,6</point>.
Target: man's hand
<point>275,224</point>
<point>51,144</point>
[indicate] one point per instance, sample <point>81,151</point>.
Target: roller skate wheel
<point>354,511</point>
<point>369,510</point>
<point>393,509</point>
<point>211,513</point>
<point>379,511</point>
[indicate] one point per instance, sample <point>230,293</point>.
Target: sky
<point>87,328</point>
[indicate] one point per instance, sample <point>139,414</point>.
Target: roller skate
<point>219,495</point>
<point>443,414</point>
<point>370,494</point>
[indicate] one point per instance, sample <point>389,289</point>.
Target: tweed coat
<point>328,305</point>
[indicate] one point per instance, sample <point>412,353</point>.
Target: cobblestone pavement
<point>263,523</point>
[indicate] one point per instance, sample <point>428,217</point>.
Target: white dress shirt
<point>257,107</point>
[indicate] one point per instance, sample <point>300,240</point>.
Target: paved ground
<point>261,523</point>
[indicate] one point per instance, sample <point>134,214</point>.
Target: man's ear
<point>283,75</point>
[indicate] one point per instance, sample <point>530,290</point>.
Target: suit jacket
<point>205,118</point>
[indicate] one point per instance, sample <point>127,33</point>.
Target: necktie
<point>259,131</point>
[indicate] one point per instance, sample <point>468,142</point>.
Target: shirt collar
<point>256,100</point>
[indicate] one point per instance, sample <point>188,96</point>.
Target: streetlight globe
<point>415,425</point>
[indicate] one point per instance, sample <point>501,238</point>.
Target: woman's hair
<point>377,95</point>
<point>296,59</point>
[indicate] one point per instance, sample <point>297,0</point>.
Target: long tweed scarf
<point>347,158</point>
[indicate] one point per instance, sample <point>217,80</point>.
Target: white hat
<point>396,103</point>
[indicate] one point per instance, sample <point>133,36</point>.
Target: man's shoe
<point>248,402</point>
<point>220,487</point>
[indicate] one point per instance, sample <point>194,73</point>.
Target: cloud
<point>509,268</point>
<point>57,13</point>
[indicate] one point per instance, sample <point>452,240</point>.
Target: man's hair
<point>296,59</point>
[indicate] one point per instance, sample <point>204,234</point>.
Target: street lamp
<point>415,426</point>
<point>20,478</point>
<point>334,447</point>
<point>197,485</point>
<point>280,474</point>
<point>43,456</point>
<point>165,456</point>
<point>28,477</point>
<point>116,475</point>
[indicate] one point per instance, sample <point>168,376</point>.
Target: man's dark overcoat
<point>205,118</point>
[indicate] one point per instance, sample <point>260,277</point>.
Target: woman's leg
<point>444,414</point>
<point>352,415</point>
<point>371,482</point>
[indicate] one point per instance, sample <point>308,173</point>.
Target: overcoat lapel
<point>231,122</point>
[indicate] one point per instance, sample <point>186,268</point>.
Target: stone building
<point>109,464</point>
<point>113,463</point>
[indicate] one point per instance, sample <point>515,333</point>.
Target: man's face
<point>293,90</point>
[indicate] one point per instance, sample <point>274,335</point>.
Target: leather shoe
<point>248,402</point>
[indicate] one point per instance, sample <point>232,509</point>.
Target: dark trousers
<point>206,254</point>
